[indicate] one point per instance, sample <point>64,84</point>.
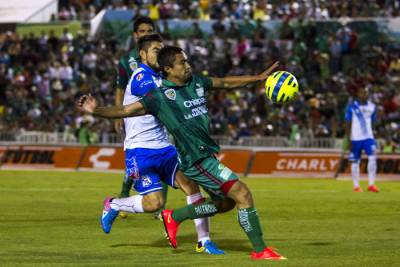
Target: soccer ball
<point>281,87</point>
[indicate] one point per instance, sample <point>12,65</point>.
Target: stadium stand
<point>239,9</point>
<point>40,75</point>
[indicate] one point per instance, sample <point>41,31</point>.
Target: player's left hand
<point>87,103</point>
<point>264,75</point>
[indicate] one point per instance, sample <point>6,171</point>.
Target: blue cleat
<point>108,216</point>
<point>209,247</point>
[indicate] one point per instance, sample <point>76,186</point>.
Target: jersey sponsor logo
<point>146,181</point>
<point>197,107</point>
<point>194,102</point>
<point>198,111</point>
<point>139,76</point>
<point>171,94</point>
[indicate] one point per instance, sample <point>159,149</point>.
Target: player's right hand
<point>87,103</point>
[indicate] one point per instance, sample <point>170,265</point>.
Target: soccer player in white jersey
<point>360,115</point>
<point>149,156</point>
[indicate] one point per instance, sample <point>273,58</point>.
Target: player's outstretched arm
<point>237,82</point>
<point>88,104</point>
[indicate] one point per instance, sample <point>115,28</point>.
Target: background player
<point>127,64</point>
<point>149,156</point>
<point>180,104</point>
<point>360,115</point>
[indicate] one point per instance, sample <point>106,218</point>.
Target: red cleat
<point>267,254</point>
<point>358,189</point>
<point>373,188</point>
<point>171,227</point>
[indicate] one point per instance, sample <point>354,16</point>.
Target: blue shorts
<point>147,167</point>
<point>368,145</point>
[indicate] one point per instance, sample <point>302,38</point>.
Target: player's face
<point>362,95</point>
<point>181,69</point>
<point>143,30</point>
<point>152,53</point>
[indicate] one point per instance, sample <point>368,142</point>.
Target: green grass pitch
<point>52,219</point>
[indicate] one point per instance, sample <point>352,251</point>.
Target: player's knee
<point>246,196</point>
<point>241,194</point>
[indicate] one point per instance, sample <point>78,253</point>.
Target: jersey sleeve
<point>142,83</point>
<point>348,114</point>
<point>150,102</point>
<point>207,82</point>
<point>122,75</point>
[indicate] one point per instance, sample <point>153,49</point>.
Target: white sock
<point>371,170</point>
<point>131,204</point>
<point>355,174</point>
<point>202,224</point>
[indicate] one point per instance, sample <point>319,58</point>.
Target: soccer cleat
<point>108,216</point>
<point>373,188</point>
<point>171,227</point>
<point>358,189</point>
<point>267,254</point>
<point>208,247</point>
<point>123,214</point>
<point>157,215</point>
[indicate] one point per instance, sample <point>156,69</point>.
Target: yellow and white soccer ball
<point>281,87</point>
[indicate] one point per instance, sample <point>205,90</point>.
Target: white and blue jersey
<point>362,136</point>
<point>149,156</point>
<point>143,131</point>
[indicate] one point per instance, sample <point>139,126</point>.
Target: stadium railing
<point>68,138</point>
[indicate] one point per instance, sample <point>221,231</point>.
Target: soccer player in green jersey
<point>127,64</point>
<point>180,104</point>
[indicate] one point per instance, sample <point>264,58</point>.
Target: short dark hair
<point>145,41</point>
<point>166,56</point>
<point>142,20</point>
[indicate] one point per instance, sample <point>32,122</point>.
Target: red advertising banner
<point>40,156</point>
<point>236,160</point>
<point>113,158</point>
<point>317,164</point>
<point>267,163</point>
<point>103,158</point>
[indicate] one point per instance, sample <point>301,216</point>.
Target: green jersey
<point>183,110</point>
<point>127,64</point>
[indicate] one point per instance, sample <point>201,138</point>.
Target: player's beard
<point>187,74</point>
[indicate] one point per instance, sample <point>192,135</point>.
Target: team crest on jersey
<point>133,63</point>
<point>171,94</point>
<point>199,90</point>
<point>146,181</point>
<point>139,76</point>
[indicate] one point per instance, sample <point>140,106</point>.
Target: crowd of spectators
<point>233,9</point>
<point>39,77</point>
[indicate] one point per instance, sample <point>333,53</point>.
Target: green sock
<point>194,211</point>
<point>249,221</point>
<point>126,187</point>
